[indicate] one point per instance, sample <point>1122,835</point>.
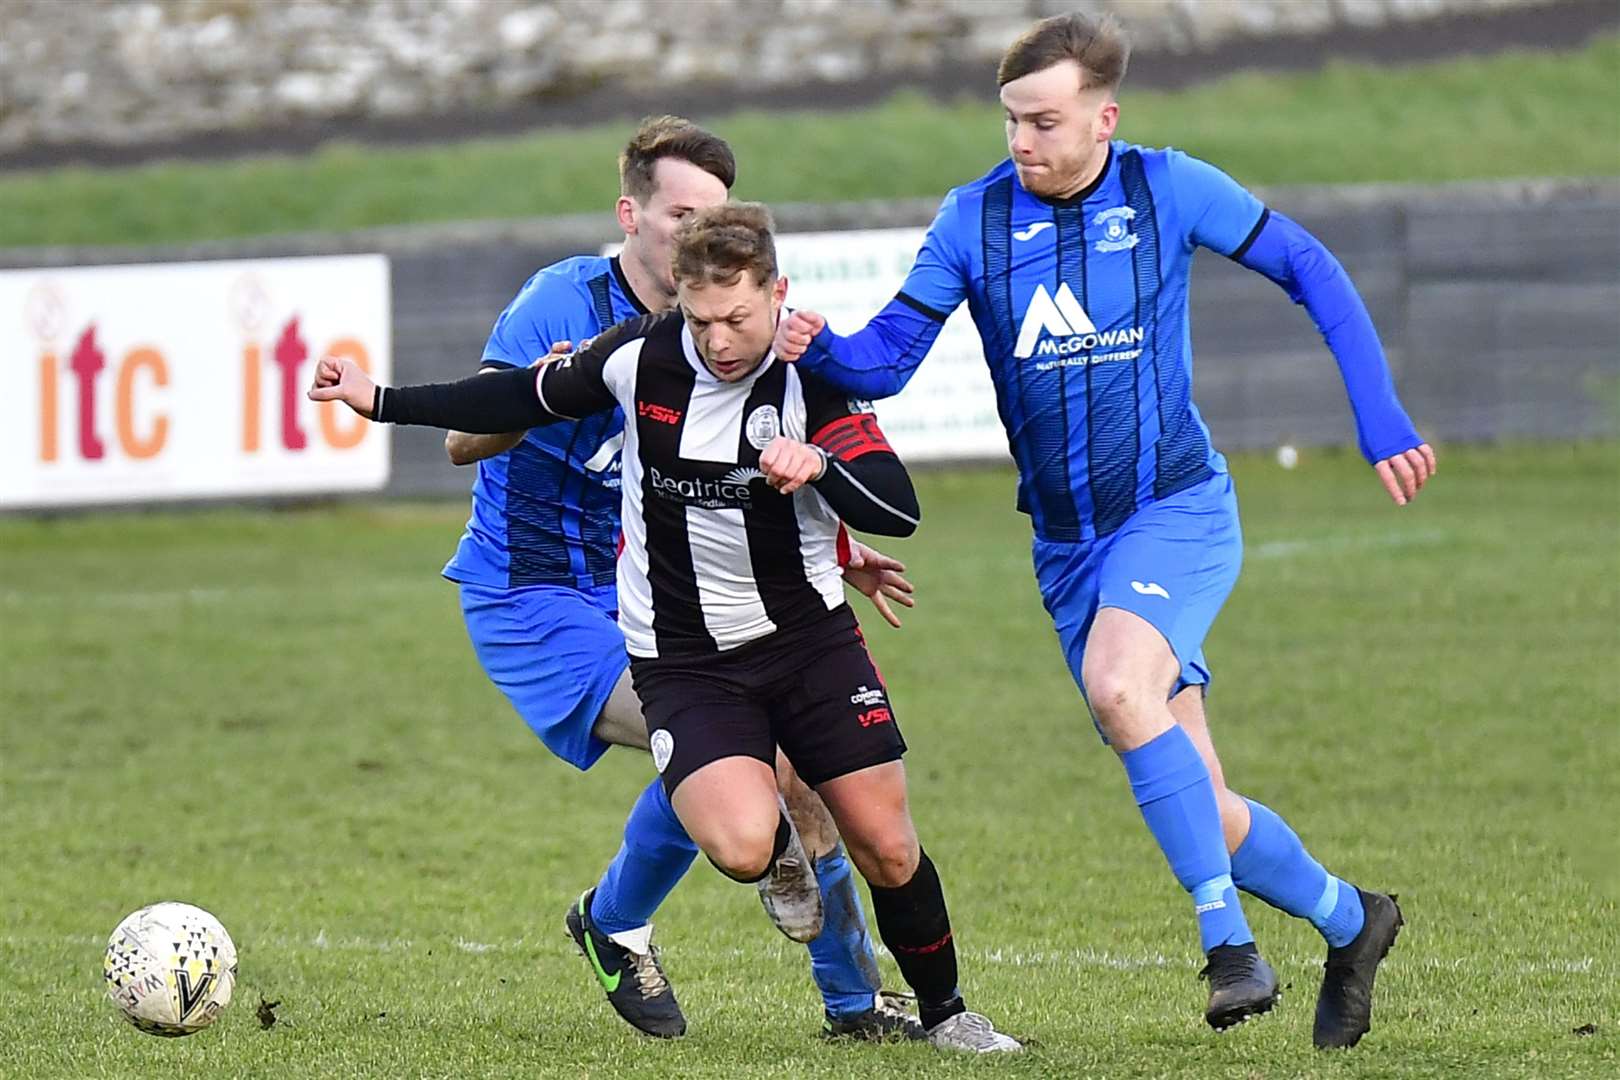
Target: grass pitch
<point>276,715</point>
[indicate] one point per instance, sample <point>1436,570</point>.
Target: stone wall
<point>136,71</point>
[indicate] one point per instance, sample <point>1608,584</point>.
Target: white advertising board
<point>187,380</point>
<point>948,409</point>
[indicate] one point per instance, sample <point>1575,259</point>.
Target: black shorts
<point>812,691</point>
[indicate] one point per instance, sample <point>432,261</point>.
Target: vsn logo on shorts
<point>663,748</point>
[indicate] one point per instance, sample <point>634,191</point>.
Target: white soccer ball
<point>170,968</point>
<point>1287,456</point>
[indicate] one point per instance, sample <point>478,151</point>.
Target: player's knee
<point>889,860</point>
<point>1113,694</point>
<point>742,853</point>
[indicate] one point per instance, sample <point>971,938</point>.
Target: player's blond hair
<point>1098,45</point>
<point>719,243</point>
<point>661,137</point>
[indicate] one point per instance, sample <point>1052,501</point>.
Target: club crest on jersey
<point>1115,223</point>
<point>763,426</point>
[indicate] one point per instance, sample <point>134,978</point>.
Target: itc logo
<point>287,358</point>
<point>141,366</point>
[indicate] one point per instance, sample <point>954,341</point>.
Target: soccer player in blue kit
<point>536,570</point>
<point>1074,257</point>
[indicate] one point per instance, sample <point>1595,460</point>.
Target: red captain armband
<point>850,437</point>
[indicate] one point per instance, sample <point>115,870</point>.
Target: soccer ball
<point>170,968</point>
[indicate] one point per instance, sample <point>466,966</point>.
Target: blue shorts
<point>1173,562</point>
<point>554,654</point>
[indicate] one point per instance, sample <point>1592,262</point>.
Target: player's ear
<point>628,214</point>
<point>779,291</point>
<point>1107,120</point>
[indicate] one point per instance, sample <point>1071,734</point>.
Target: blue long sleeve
<point>1298,262</point>
<point>879,359</point>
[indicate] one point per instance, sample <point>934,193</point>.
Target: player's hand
<point>788,464</point>
<point>560,349</point>
<point>880,579</point>
<point>793,333</point>
<point>1405,474</point>
<point>345,381</point>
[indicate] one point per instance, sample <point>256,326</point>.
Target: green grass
<point>276,715</point>
<point>1509,115</point>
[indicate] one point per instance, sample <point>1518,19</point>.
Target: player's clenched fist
<point>793,333</point>
<point>788,464</point>
<point>345,381</point>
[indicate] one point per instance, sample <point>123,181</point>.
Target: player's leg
<point>842,959</point>
<point>656,851</point>
<point>1269,861</point>
<point>849,747</point>
<point>909,902</point>
<point>1131,612</point>
<point>560,660</point>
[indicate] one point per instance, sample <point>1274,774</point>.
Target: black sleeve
<point>496,402</point>
<point>872,495</point>
<point>865,483</point>
<point>488,404</point>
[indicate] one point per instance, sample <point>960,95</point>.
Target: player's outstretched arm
<point>464,448</point>
<point>878,360</point>
<point>874,362</point>
<point>1300,263</point>
<point>490,404</point>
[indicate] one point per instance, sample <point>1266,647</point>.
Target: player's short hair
<point>661,137</point>
<point>718,243</point>
<point>1098,45</point>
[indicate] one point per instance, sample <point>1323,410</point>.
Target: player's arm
<point>1298,262</point>
<point>1226,218</point>
<point>493,403</point>
<point>849,463</point>
<point>878,360</point>
<point>464,449</point>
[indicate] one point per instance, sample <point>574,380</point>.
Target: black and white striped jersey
<point>713,557</point>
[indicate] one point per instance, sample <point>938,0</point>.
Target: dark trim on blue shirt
<point>624,286</point>
<point>1254,234</point>
<point>920,308</point>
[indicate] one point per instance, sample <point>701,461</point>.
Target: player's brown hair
<point>718,243</point>
<point>1098,45</point>
<point>661,137</point>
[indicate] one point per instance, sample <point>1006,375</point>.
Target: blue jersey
<point>547,511</point>
<point>1082,307</point>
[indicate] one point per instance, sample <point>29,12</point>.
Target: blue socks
<point>1177,799</point>
<point>655,855</point>
<point>1272,864</point>
<point>841,959</point>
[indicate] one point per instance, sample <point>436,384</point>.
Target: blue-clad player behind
<point>536,569</point>
<point>1074,257</point>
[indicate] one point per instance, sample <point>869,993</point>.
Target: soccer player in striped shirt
<point>1074,256</point>
<point>536,570</point>
<point>739,474</point>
